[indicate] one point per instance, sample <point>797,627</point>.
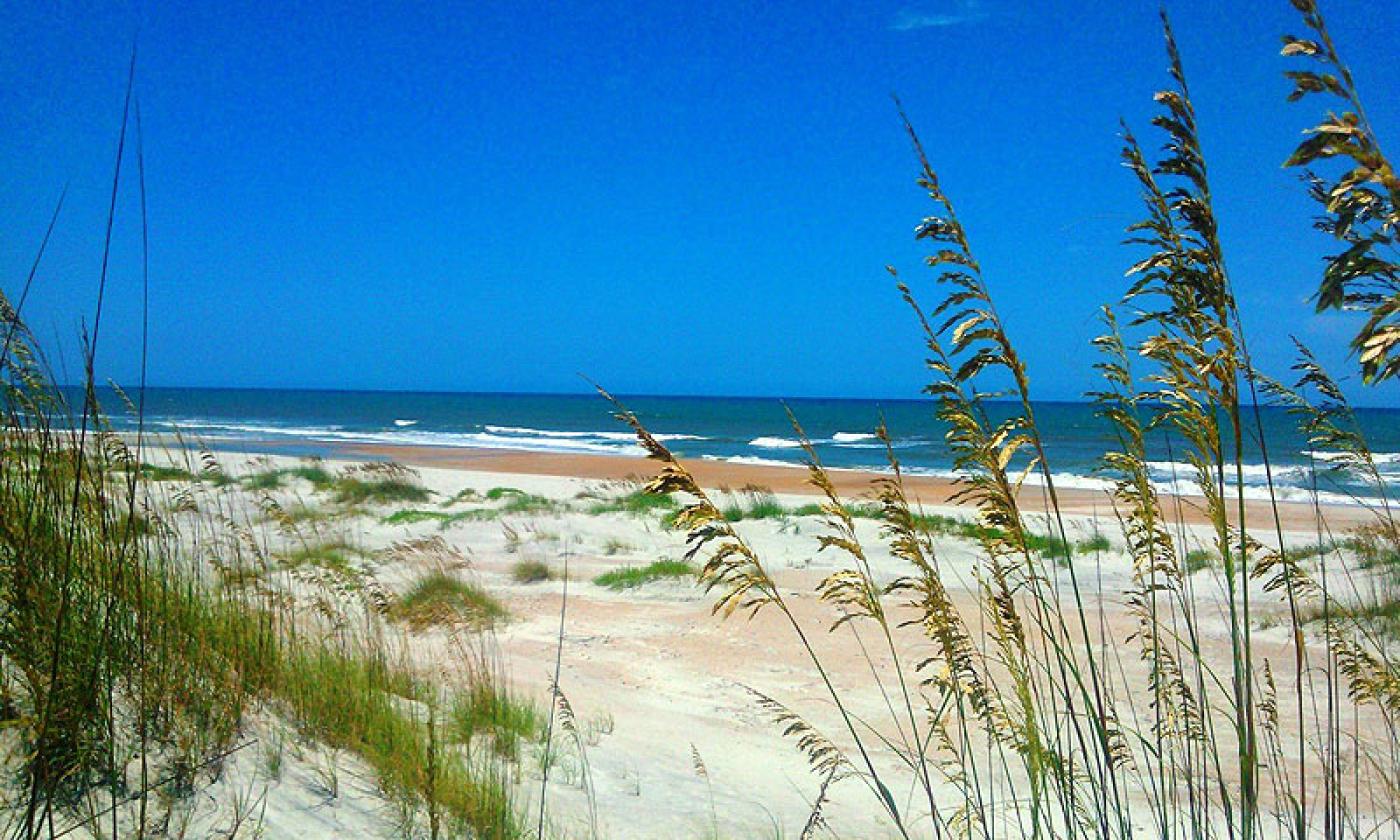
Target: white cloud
<point>939,15</point>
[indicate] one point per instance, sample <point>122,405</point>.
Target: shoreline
<point>850,483</point>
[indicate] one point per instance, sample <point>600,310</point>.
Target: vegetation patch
<point>466,494</point>
<point>519,502</point>
<point>1197,559</point>
<point>758,505</point>
<point>439,598</point>
<point>335,555</point>
<point>379,484</point>
<point>1094,544</point>
<point>629,577</point>
<point>154,472</point>
<point>487,708</point>
<point>638,502</point>
<point>530,571</point>
<point>413,516</point>
<point>275,479</point>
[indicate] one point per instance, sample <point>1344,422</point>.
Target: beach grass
<point>630,577</point>
<point>530,571</point>
<point>1093,545</point>
<point>440,598</point>
<point>336,555</point>
<point>128,675</point>
<point>126,672</point>
<point>513,501</point>
<point>379,484</point>
<point>487,708</point>
<point>1036,732</point>
<point>444,519</point>
<point>637,502</point>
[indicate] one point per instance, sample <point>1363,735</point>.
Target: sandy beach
<point>660,685</point>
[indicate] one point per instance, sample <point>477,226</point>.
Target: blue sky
<point>668,197</point>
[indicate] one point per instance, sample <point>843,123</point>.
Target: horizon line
<point>620,394</point>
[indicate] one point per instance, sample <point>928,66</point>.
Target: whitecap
<point>775,443</point>
<point>751,460</point>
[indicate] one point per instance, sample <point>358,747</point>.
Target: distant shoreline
<point>934,491</point>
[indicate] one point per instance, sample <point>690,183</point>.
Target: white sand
<point>653,676</point>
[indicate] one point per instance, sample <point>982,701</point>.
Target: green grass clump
<point>758,504</point>
<point>1050,546</point>
<point>264,480</point>
<point>303,514</point>
<point>412,516</point>
<point>637,502</point>
<point>486,708</point>
<point>1096,543</point>
<point>439,598</point>
<point>354,491</point>
<point>530,571</point>
<point>335,555</point>
<point>518,501</point>
<point>528,503</point>
<point>275,479</point>
<point>629,577</point>
<point>352,700</point>
<point>1374,549</point>
<point>495,494</point>
<point>315,474</point>
<point>153,472</point>
<point>466,494</point>
<point>1197,559</point>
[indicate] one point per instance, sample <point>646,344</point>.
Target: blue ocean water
<point>743,430</point>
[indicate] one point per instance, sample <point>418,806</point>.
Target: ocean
<point>740,430</point>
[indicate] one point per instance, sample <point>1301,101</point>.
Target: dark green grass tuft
<point>1094,544</point>
<point>518,501</point>
<point>354,491</point>
<point>629,577</point>
<point>486,708</point>
<point>638,502</point>
<point>316,474</point>
<point>265,480</point>
<point>413,516</point>
<point>153,472</point>
<point>319,477</point>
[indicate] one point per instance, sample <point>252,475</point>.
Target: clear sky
<point>669,197</point>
